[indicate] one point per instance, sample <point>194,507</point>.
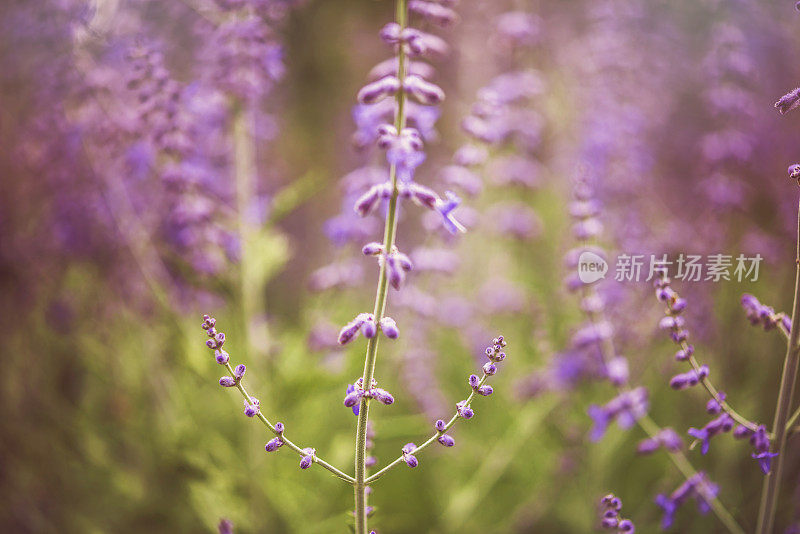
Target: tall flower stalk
<point>389,233</point>
<point>769,496</point>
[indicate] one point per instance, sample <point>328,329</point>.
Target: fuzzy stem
<point>390,229</point>
<point>299,450</point>
<point>769,496</point>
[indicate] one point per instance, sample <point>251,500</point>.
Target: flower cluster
<point>698,487</point>
<point>625,409</point>
<point>763,315</point>
<point>610,508</point>
<point>355,392</point>
<point>495,353</point>
<point>726,418</point>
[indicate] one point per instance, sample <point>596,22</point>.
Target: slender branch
<point>390,229</point>
<point>712,391</point>
<point>431,439</point>
<point>769,496</point>
<point>299,450</point>
<point>652,429</point>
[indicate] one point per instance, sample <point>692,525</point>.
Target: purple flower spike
<point>446,440</point>
<point>221,356</point>
<point>227,382</point>
<point>446,208</point>
<point>308,459</point>
<point>273,445</point>
<point>408,455</point>
<point>389,328</point>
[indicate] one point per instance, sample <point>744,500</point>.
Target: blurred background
<point>164,159</point>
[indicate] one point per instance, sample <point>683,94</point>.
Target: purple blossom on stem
<point>610,519</point>
<point>698,486</point>
<point>625,409</point>
<point>723,423</point>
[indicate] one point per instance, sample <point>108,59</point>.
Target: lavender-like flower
<point>252,409</point>
<point>698,487</point>
<point>610,519</point>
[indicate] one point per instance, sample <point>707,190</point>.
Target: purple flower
<point>273,445</point>
<point>445,209</point>
<point>221,356</point>
<point>389,328</point>
<point>352,397</point>
<point>626,408</point>
<point>308,459</point>
<point>225,526</point>
<point>351,330</point>
<point>382,396</point>
<point>463,410</point>
<point>689,378</point>
<point>760,441</point>
<point>408,456</point>
<point>252,408</point>
<point>713,405</point>
<point>446,440</point>
<point>697,486</point>
<point>788,102</point>
<point>723,423</point>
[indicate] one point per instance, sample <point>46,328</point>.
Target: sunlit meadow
<point>399,266</point>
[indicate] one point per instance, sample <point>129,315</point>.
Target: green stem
<point>245,171</point>
<point>769,496</point>
<point>390,229</point>
<point>286,441</point>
